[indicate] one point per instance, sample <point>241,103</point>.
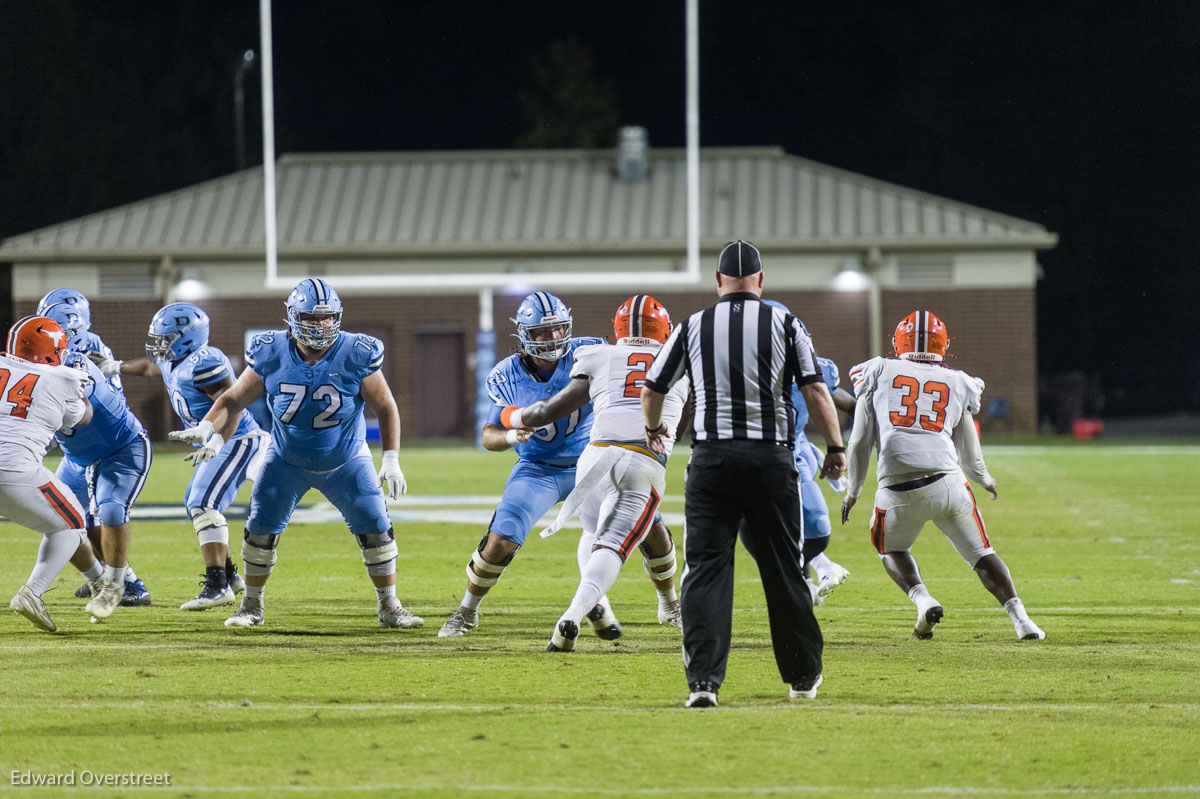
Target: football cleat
<point>250,614</point>
<point>29,605</point>
<point>106,597</point>
<point>704,694</point>
<point>604,621</point>
<point>833,577</point>
<point>235,580</point>
<point>566,632</point>
<point>210,596</point>
<point>1028,631</point>
<point>642,318</point>
<point>541,311</point>
<point>393,614</point>
<point>176,331</point>
<point>135,595</point>
<point>671,614</point>
<point>817,599</point>
<point>927,619</point>
<point>84,591</point>
<point>461,622</point>
<point>921,336</point>
<point>806,689</point>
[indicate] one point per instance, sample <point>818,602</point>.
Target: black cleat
<point>84,591</point>
<point>704,694</point>
<point>926,623</point>
<point>565,635</point>
<point>604,622</point>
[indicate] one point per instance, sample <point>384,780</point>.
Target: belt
<point>920,482</point>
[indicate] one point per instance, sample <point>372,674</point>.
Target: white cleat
<point>29,605</point>
<point>237,583</point>
<point>250,614</point>
<point>805,690</point>
<point>106,599</point>
<point>671,614</point>
<point>393,614</point>
<point>835,576</point>
<point>1028,631</point>
<point>817,599</point>
<point>461,622</point>
<point>928,616</point>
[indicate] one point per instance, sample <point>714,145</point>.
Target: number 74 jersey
<point>917,407</point>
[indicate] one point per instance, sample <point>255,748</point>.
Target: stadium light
<point>851,277</point>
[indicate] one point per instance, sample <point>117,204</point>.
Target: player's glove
<point>210,442</point>
<point>390,476</point>
<point>108,365</point>
<point>193,435</point>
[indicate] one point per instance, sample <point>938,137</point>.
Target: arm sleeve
<point>858,454</point>
<point>671,361</point>
<point>970,453</point>
<point>73,408</point>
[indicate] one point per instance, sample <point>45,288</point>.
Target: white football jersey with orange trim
<point>916,406</point>
<point>616,375</point>
<point>35,401</point>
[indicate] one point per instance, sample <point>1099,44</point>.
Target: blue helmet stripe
<point>547,306</point>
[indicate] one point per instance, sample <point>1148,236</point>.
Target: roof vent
<point>633,153</point>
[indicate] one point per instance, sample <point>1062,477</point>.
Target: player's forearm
<point>858,453</point>
<point>822,413</point>
<point>970,455</point>
<point>140,367</point>
<point>494,438</point>
<point>223,416</point>
<point>573,397</point>
<point>389,430</point>
<point>652,407</point>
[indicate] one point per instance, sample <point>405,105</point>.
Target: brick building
<point>849,254</point>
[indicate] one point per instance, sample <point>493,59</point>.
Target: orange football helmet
<point>642,316</point>
<point>38,340</point>
<point>921,336</point>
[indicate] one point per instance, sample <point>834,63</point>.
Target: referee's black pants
<point>726,481</point>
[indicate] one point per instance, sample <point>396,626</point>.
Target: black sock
<point>230,569</point>
<point>215,576</point>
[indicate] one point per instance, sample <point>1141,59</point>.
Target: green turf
<point>1103,543</point>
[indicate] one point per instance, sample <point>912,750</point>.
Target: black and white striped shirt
<point>742,357</point>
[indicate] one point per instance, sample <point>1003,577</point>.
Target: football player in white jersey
<point>920,415</point>
<point>37,397</point>
<point>619,483</point>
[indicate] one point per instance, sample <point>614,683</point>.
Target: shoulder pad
<point>864,375</point>
<point>364,351</point>
<point>265,347</point>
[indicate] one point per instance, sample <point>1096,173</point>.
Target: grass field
<point>1103,542</point>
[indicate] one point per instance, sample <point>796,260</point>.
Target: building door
<point>440,390</point>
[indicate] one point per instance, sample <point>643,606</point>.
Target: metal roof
<point>524,201</point>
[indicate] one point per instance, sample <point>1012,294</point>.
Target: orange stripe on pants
<point>62,506</point>
<point>877,531</point>
<point>643,524</point>
<point>979,525</point>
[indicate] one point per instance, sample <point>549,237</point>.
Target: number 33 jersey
<point>916,407</point>
<point>317,407</point>
<point>616,375</point>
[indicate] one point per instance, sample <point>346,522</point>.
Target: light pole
<point>245,63</point>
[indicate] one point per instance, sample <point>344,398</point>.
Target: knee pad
<point>649,564</point>
<point>378,553</point>
<point>484,573</point>
<point>259,553</point>
<point>113,514</point>
<point>211,526</point>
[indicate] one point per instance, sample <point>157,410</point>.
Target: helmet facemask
<point>550,349</point>
<point>318,334</point>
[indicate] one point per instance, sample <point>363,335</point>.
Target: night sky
<point>1084,117</point>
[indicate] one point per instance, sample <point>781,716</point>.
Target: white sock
<point>383,593</point>
<point>919,595</point>
<point>1016,609</point>
<point>668,596</point>
<point>130,574</point>
<point>470,601</point>
<point>94,572</point>
<point>115,573</point>
<point>256,592</point>
<point>583,551</point>
<point>54,552</point>
<point>598,576</point>
<point>821,564</point>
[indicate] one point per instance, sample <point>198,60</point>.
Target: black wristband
<point>834,450</point>
<point>654,429</point>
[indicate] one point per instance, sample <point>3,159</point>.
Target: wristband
<point>391,456</point>
<point>834,450</point>
<point>655,429</point>
<point>511,416</point>
<point>511,437</point>
<point>215,442</point>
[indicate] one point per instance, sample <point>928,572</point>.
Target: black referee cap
<point>739,259</point>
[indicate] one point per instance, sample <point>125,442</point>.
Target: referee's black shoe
<point>704,694</point>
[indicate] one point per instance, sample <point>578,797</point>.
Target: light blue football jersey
<point>94,343</point>
<point>316,408</point>
<point>511,382</point>
<point>186,380</point>
<point>113,425</point>
<point>833,379</point>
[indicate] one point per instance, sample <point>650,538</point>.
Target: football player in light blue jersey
<point>113,455</point>
<point>317,379</point>
<point>93,346</point>
<point>195,374</point>
<point>544,473</point>
<point>817,527</point>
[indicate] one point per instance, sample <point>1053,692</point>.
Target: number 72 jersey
<point>916,407</point>
<point>317,407</point>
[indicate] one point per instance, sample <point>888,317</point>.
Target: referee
<point>742,357</point>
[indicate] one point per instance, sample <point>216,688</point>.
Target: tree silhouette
<point>568,106</point>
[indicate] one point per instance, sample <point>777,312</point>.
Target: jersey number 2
<point>640,361</point>
<point>907,415</point>
<point>20,395</point>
